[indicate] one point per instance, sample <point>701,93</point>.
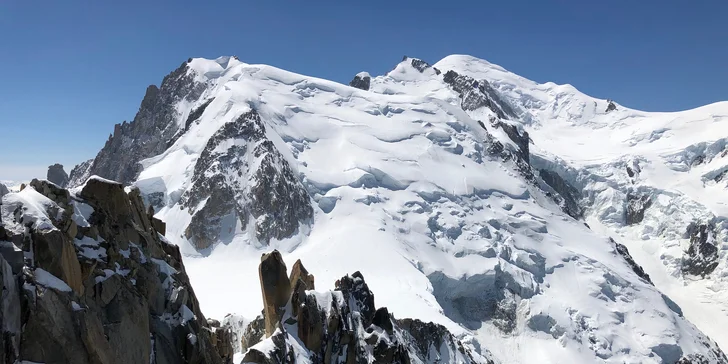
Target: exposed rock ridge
<point>249,180</point>
<point>343,326</point>
<point>96,282</point>
<point>147,135</point>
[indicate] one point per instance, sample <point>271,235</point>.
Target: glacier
<point>467,195</point>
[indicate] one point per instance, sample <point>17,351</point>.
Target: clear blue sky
<point>71,69</point>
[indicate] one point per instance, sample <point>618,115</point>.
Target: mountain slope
<point>652,180</point>
<point>427,184</point>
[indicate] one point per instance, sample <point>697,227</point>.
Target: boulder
<point>57,175</point>
<point>276,289</point>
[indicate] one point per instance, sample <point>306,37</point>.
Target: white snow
<point>48,280</point>
<point>32,208</point>
<point>410,198</point>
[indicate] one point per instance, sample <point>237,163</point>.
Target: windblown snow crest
<point>432,182</point>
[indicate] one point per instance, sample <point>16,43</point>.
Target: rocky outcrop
<point>569,194</point>
<point>701,258</point>
<point>611,106</point>
<point>100,284</point>
<point>622,250</point>
<point>344,326</point>
<point>475,94</point>
<point>361,81</point>
<point>520,138</point>
<point>57,175</point>
<point>418,64</point>
<point>3,190</point>
<point>636,206</point>
<point>266,192</point>
<point>148,134</point>
<point>254,333</point>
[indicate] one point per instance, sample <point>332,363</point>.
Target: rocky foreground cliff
<point>89,278</point>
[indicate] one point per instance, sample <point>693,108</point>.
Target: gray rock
<point>475,94</point>
<point>701,258</point>
<point>622,250</point>
<point>567,192</point>
<point>149,134</point>
<point>610,106</point>
<point>276,199</point>
<point>361,81</point>
<point>254,333</point>
<point>636,207</point>
<point>57,175</point>
<point>80,173</point>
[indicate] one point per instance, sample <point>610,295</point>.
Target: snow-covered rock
<point>452,187</point>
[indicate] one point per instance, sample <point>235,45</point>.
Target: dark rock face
<point>361,82</point>
<point>101,288</point>
<point>701,359</point>
<point>3,190</point>
<point>610,106</point>
<point>475,94</point>
<point>568,193</point>
<point>148,134</point>
<point>348,329</point>
<point>622,250</point>
<point>701,259</point>
<point>425,335</point>
<point>356,291</point>
<point>273,195</point>
<point>254,333</point>
<point>418,64</point>
<point>196,114</point>
<point>636,207</point>
<point>520,138</point>
<point>57,175</point>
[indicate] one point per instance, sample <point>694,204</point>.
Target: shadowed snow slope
<point>423,184</point>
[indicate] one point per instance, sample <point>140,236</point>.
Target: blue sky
<point>72,69</point>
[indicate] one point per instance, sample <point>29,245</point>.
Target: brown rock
<point>54,253</point>
<point>159,226</point>
<point>276,289</point>
<point>301,281</point>
<point>299,271</point>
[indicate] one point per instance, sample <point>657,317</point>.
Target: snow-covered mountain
<point>456,189</point>
<point>655,182</point>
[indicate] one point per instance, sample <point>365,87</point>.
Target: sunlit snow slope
<point>421,184</point>
<point>678,160</point>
